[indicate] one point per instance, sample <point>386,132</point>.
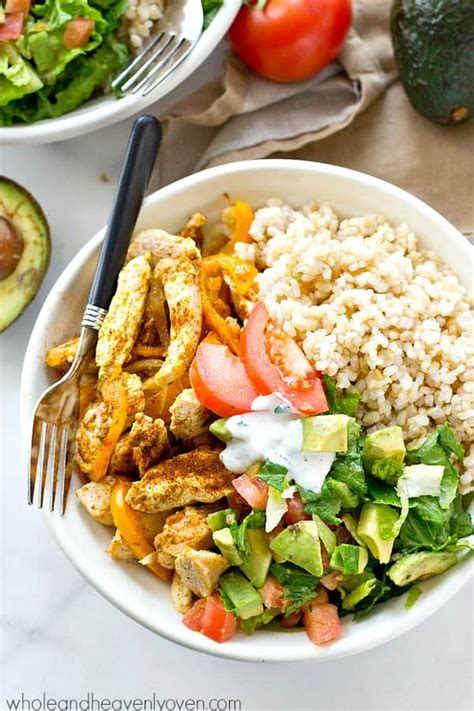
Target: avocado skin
<point>20,207</point>
<point>433,42</point>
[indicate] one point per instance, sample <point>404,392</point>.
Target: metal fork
<point>180,29</point>
<point>54,415</point>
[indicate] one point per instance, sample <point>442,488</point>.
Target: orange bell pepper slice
<point>241,214</point>
<point>241,275</point>
<point>127,520</point>
<point>115,395</point>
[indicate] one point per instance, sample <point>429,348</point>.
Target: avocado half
<point>434,49</point>
<point>25,249</point>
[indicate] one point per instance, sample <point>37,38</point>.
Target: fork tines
<point>159,58</point>
<point>48,465</point>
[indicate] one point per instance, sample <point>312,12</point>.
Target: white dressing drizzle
<point>278,437</point>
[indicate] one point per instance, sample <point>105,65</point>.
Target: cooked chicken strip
<point>61,357</point>
<point>160,244</point>
<point>121,325</point>
<point>189,419</point>
<point>119,550</point>
<point>200,570</point>
<point>187,527</point>
<point>149,440</point>
<point>197,476</point>
<point>180,282</point>
<point>193,228</point>
<point>181,595</point>
<point>95,497</point>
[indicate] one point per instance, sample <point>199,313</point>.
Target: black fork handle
<point>138,162</point>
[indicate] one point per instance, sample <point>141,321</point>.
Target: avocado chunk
<point>375,524</point>
<point>349,559</point>
<point>351,524</point>
<point>257,564</point>
<point>220,519</point>
<point>246,600</point>
<point>254,623</point>
<point>219,429</point>
<point>24,249</point>
<point>359,593</point>
<point>383,444</point>
<point>420,566</point>
<point>349,500</point>
<point>300,545</point>
<point>325,433</point>
<point>225,542</point>
<point>433,48</point>
<point>327,537</point>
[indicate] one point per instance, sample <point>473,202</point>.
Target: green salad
<point>57,54</point>
<point>381,520</point>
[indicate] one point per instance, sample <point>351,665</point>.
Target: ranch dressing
<point>278,437</point>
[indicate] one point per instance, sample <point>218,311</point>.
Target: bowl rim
<point>429,604</point>
<point>90,117</point>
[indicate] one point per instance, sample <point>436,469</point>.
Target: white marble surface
<point>60,637</point>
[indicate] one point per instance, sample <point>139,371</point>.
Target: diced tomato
<point>295,511</point>
<point>14,6</point>
<point>324,558</point>
<point>272,594</point>
<point>254,491</point>
<point>77,32</point>
<point>320,598</point>
<point>12,28</point>
<point>322,623</point>
<point>343,535</point>
<point>193,617</point>
<point>291,620</point>
<point>276,364</point>
<point>220,380</point>
<point>217,623</point>
<point>332,580</point>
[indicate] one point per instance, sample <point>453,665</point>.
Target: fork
<point>181,27</point>
<point>54,413</point>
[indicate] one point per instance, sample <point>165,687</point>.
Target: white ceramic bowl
<point>134,590</point>
<point>107,110</point>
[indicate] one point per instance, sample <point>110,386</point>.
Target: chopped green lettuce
<point>17,77</point>
<point>298,586</point>
<point>347,467</point>
<point>256,519</point>
<point>326,504</point>
<point>338,403</point>
<point>346,558</point>
<point>210,8</point>
<point>389,470</point>
<point>274,475</point>
<point>412,596</point>
<point>430,527</point>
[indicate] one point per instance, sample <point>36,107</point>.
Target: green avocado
<point>327,537</point>
<point>325,433</point>
<point>242,594</point>
<point>383,444</point>
<point>225,542</point>
<point>219,429</point>
<point>220,519</point>
<point>300,545</point>
<point>359,593</point>
<point>257,564</point>
<point>420,566</point>
<point>375,523</point>
<point>434,48</point>
<point>24,249</point>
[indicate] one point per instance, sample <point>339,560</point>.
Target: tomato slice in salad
<point>252,489</point>
<point>220,381</point>
<point>12,28</point>
<point>276,364</point>
<point>322,623</point>
<point>209,617</point>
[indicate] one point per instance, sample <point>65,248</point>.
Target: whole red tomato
<point>290,40</point>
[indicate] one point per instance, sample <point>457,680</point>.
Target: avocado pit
<point>11,247</point>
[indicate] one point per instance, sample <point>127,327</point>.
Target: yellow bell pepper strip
<point>115,397</point>
<point>127,520</point>
<point>87,390</point>
<point>241,275</point>
<point>241,215</point>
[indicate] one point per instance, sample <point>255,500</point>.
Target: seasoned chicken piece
<point>200,570</point>
<point>160,244</point>
<point>61,357</point>
<point>180,282</point>
<point>189,419</point>
<point>187,527</point>
<point>97,421</point>
<point>197,476</point>
<point>122,322</point>
<point>95,497</point>
<point>118,549</point>
<point>193,228</point>
<point>149,441</point>
<point>122,461</point>
<point>181,595</point>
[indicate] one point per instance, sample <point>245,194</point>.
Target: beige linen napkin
<point>246,117</point>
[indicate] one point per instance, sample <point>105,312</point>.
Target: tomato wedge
<point>211,619</point>
<point>253,490</point>
<point>220,381</point>
<point>322,623</point>
<point>14,6</point>
<point>276,364</point>
<point>12,28</point>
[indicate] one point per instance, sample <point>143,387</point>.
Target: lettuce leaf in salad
<point>210,9</point>
<point>439,448</point>
<point>327,504</point>
<point>17,77</point>
<point>274,475</point>
<point>338,403</point>
<point>298,586</point>
<point>430,527</point>
<point>347,467</point>
<point>256,519</point>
